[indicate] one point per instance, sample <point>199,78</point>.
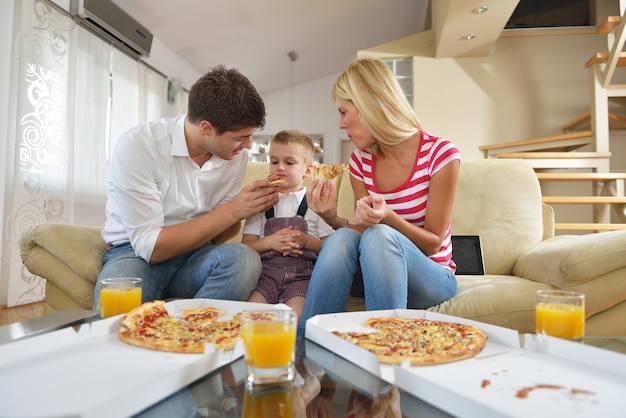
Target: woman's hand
<point>370,210</point>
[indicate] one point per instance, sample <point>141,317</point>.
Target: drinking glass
<point>119,295</point>
<point>269,339</point>
<point>561,314</point>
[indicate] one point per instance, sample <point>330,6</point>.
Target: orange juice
<point>560,320</point>
<point>118,300</point>
<point>268,401</point>
<point>269,344</point>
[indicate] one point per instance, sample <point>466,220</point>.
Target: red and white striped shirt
<point>409,199</point>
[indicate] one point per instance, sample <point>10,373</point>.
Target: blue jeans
<point>396,274</point>
<point>226,271</point>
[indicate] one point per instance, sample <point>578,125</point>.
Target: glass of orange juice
<point>561,314</point>
<point>119,295</point>
<point>269,340</point>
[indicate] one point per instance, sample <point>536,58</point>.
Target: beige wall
<point>527,87</point>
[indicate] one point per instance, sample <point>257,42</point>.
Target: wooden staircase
<point>558,158</point>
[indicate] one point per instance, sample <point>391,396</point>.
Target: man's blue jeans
<point>226,271</point>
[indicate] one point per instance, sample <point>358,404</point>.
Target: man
<point>175,196</point>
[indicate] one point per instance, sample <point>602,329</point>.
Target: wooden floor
<point>20,313</point>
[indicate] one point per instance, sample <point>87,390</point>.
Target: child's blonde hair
<point>300,139</point>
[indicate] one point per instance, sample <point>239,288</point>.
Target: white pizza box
<point>90,372</point>
<point>582,381</point>
<point>319,329</point>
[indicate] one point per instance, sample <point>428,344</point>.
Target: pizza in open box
<point>151,326</point>
<point>421,341</point>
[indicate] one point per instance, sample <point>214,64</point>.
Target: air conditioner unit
<point>105,17</point>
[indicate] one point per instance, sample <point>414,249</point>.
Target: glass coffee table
<point>327,385</point>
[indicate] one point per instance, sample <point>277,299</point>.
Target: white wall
<point>314,113</point>
<point>527,87</point>
<point>161,58</point>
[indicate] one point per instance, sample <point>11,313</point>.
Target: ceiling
<point>256,36</point>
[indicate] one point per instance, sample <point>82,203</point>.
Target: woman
<point>404,182</point>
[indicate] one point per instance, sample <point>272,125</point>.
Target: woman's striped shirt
<point>409,199</point>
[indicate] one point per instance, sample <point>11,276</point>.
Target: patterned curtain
<point>72,94</point>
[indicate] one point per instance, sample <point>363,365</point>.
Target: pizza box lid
<point>581,380</point>
<point>90,372</point>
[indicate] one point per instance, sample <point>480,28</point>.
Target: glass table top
<point>326,385</point>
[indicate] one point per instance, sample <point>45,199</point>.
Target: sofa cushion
<point>507,301</point>
<point>69,257</point>
<point>563,261</point>
<point>345,198</point>
<point>500,200</point>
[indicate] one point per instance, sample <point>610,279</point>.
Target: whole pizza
<point>151,326</point>
<point>420,341</point>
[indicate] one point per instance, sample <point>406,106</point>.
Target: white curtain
<point>72,95</point>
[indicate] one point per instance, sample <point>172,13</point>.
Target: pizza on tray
<point>151,326</point>
<point>421,341</point>
<point>327,171</point>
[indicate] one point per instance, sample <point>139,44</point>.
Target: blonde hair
<point>384,110</point>
<point>301,140</point>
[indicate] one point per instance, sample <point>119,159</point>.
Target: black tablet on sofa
<point>467,254</point>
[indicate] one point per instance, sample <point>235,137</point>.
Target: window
<point>403,70</point>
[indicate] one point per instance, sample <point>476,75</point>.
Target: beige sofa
<point>498,200</point>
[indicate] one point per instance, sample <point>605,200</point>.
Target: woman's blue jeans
<point>396,274</point>
<point>226,271</point>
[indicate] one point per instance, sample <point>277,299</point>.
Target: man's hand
<point>256,197</point>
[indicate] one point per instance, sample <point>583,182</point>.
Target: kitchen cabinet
<point>261,146</point>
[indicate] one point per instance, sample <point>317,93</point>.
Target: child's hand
<point>286,241</point>
<point>320,197</point>
<point>293,242</point>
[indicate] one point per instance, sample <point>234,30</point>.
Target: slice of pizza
<point>202,317</point>
<point>224,334</point>
<point>327,171</point>
<point>150,326</point>
<point>144,314</point>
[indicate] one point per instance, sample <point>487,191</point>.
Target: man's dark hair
<point>227,99</point>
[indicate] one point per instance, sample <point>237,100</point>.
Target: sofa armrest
<point>570,260</point>
<point>69,256</point>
